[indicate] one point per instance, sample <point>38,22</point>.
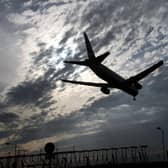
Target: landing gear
<point>134,98</point>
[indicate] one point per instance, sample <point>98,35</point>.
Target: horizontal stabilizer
<point>87,83</point>
<point>143,74</point>
<point>100,58</point>
<point>77,62</point>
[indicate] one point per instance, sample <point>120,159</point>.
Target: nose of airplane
<point>133,92</point>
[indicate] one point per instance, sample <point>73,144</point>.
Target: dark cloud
<point>41,44</point>
<point>30,92</point>
<point>9,6</point>
<point>8,117</point>
<point>37,91</point>
<point>36,119</point>
<point>136,135</point>
<point>50,128</point>
<point>5,134</point>
<point>43,56</point>
<point>67,35</point>
<point>27,92</point>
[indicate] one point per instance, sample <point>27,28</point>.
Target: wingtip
<point>66,61</point>
<point>62,80</point>
<point>85,34</point>
<point>161,62</point>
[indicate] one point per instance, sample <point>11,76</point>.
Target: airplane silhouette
<point>113,80</point>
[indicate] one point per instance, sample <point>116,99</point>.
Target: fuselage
<point>113,79</point>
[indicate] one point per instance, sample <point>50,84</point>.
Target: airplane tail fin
<point>77,62</point>
<point>90,51</point>
<point>91,55</point>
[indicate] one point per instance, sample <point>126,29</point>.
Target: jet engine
<point>105,90</point>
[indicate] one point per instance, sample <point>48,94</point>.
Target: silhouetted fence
<point>77,158</point>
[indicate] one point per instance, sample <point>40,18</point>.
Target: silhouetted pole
<point>49,149</point>
<point>163,141</point>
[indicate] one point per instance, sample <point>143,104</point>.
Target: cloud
<point>8,117</point>
<point>49,129</point>
<point>8,120</point>
<point>32,92</point>
<point>45,33</point>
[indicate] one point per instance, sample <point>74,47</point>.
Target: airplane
<point>113,80</point>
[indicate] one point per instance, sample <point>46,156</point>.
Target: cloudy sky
<point>36,107</point>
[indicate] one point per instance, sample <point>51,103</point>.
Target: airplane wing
<point>146,72</point>
<point>87,83</point>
